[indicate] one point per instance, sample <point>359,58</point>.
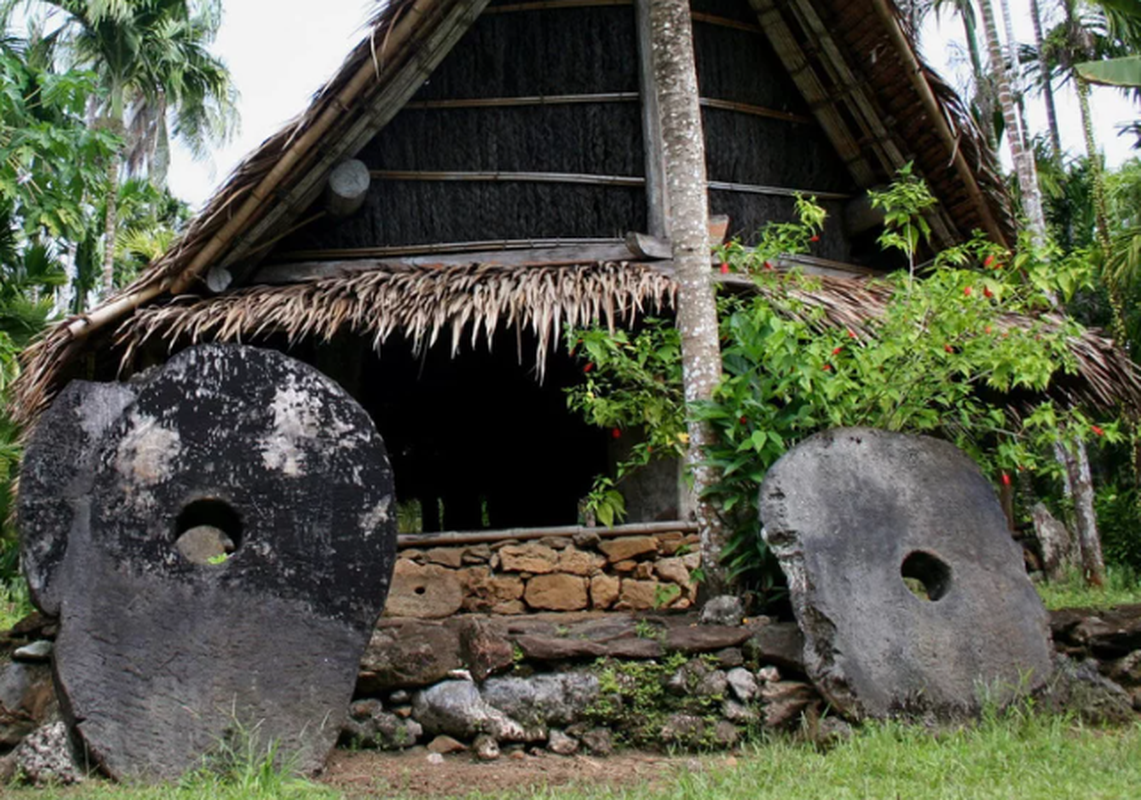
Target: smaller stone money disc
<point>226,559</point>
<point>906,582</point>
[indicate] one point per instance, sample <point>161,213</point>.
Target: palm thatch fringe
<point>477,300</point>
<point>1106,378</point>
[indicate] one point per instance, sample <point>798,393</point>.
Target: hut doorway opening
<point>476,441</point>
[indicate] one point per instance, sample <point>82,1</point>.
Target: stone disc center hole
<point>927,576</point>
<point>208,531</point>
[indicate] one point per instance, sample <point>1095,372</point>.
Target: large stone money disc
<point>852,513</point>
<point>169,646</point>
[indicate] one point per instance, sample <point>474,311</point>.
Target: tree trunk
<point>1014,73</point>
<point>1100,212</point>
<point>1101,215</point>
<point>676,77</point>
<point>1047,84</point>
<point>109,224</point>
<point>1077,464</point>
<point>1023,161</point>
<point>1089,542</point>
<point>983,94</point>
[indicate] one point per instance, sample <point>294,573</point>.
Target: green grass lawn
<point>1122,586</point>
<point>1019,755</point>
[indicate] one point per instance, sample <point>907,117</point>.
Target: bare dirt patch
<point>375,774</point>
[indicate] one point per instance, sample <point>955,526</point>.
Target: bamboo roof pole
<point>931,106</point>
<point>362,79</point>
<point>85,325</point>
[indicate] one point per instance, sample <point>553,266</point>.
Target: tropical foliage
<point>946,358</point>
<point>55,189</point>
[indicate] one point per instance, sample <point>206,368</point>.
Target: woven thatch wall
<point>740,66</point>
<point>514,54</point>
<point>579,51</point>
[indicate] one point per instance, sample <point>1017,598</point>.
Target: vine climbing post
<point>675,78</point>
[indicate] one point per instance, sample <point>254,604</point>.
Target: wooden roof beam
<point>378,109</point>
<point>804,76</point>
<point>863,109</point>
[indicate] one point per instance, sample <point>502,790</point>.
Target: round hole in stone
<point>926,575</point>
<point>420,589</point>
<point>208,531</point>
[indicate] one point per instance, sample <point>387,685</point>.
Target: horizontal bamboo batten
<point>589,180</point>
<point>444,248</point>
<point>555,5</point>
<point>605,97</point>
<point>533,100</point>
<point>525,534</point>
<point>713,19</point>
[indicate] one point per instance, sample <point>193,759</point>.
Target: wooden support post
<point>347,188</point>
<point>657,201</point>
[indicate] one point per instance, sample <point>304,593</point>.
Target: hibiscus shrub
<point>963,351</point>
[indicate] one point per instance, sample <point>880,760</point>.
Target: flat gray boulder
<point>217,538</point>
<point>905,580</point>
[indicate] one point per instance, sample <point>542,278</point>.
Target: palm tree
<point>1023,160</point>
<point>1047,86</point>
<point>984,89</point>
<point>157,79</point>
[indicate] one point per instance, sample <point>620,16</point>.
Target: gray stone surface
<point>485,747</point>
<point>561,744</point>
<point>851,513</point>
<point>38,651</point>
<point>47,757</point>
<point>27,700</point>
<point>56,476</point>
<point>726,609</point>
<point>409,656</point>
<point>779,643</point>
<point>785,701</point>
<point>549,699</point>
<point>456,708</point>
<point>369,725</point>
<point>159,658</point>
<point>743,683</point>
<point>1080,689</point>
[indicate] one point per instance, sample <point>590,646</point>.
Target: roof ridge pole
<point>918,80</point>
<point>683,147</point>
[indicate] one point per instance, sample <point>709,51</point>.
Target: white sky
<point>281,52</point>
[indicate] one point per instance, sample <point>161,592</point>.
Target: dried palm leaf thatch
<point>421,304</point>
<point>475,301</point>
<point>1106,379</point>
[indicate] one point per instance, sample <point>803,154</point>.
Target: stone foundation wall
<point>555,573</point>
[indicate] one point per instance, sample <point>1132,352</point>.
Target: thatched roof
<point>472,303</point>
<point>850,58</point>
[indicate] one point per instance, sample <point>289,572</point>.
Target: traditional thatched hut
<point>472,173</point>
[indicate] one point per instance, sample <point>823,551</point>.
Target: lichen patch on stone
<point>374,518</point>
<point>147,452</point>
<point>293,423</point>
